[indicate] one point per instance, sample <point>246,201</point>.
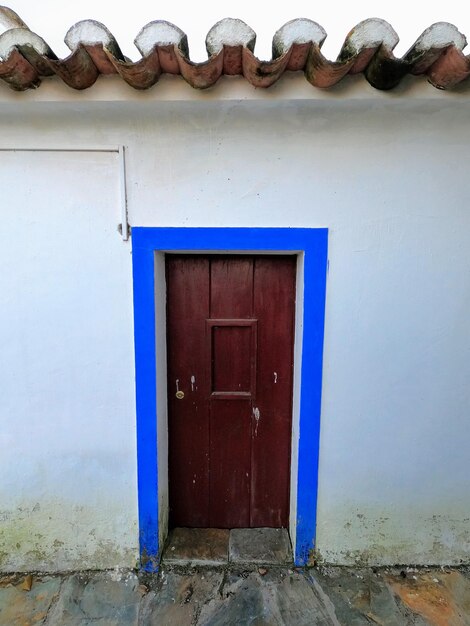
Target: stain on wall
<point>54,535</point>
<point>369,536</point>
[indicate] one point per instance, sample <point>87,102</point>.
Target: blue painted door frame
<point>313,243</point>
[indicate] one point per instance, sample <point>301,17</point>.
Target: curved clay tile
<point>368,49</point>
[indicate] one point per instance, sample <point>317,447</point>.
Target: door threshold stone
<point>197,546</point>
<point>218,546</point>
<point>261,546</point>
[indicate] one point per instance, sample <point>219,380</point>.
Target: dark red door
<point>230,322</point>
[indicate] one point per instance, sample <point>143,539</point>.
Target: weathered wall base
<point>60,536</point>
<point>372,536</point>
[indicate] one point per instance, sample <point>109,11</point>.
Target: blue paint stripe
<point>146,402</point>
<point>315,265</point>
<point>227,239</point>
<point>313,242</point>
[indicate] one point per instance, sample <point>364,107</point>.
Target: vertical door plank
<point>274,303</point>
<point>187,310</point>
<point>231,287</point>
<point>230,420</point>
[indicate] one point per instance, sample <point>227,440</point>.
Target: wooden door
<point>230,325</point>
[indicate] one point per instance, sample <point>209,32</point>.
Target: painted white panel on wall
<point>68,460</point>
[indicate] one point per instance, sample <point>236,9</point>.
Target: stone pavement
<point>256,596</point>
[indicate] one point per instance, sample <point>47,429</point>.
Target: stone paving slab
<point>270,546</point>
<point>89,598</point>
<point>277,597</point>
<point>438,597</point>
<point>180,596</point>
<point>19,607</point>
<point>362,597</point>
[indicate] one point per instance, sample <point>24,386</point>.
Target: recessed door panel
<point>231,356</point>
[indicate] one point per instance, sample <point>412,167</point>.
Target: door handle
<point>179,394</point>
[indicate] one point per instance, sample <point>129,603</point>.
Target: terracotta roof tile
<point>26,58</point>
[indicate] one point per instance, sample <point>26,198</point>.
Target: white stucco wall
<point>387,174</point>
